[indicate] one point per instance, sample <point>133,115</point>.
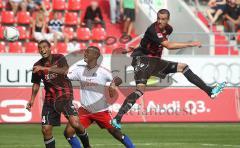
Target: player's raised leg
<point>127,104</point>
<point>193,78</point>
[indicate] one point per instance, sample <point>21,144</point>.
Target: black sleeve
<point>87,14</point>
<point>100,14</point>
<point>36,78</point>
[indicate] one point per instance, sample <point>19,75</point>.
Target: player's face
<point>44,50</point>
<point>162,20</point>
<point>90,55</point>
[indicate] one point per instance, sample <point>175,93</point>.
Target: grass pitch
<point>162,135</point>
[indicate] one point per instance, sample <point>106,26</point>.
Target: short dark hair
<point>94,48</point>
<point>45,41</point>
<point>164,11</point>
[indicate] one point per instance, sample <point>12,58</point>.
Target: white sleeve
<point>74,74</point>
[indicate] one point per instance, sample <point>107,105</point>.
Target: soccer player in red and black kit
<point>58,97</point>
<point>147,62</point>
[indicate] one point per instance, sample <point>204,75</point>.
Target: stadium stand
<point>223,44</point>
<point>72,18</point>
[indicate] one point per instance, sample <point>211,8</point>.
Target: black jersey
<point>151,43</point>
<point>56,86</point>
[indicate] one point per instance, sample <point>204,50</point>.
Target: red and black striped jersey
<point>151,43</point>
<point>56,86</point>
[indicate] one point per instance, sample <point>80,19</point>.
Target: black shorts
<point>51,114</point>
<point>145,67</point>
<point>129,13</point>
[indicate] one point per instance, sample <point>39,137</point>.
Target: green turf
<point>143,135</point>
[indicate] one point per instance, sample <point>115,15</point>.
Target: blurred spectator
<point>129,8</point>
<point>215,10</point>
<point>35,5</point>
<point>39,27</point>
<point>16,4</point>
<point>114,11</point>
<point>232,17</point>
<point>93,15</point>
<point>56,28</point>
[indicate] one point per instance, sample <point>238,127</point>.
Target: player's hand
<point>37,69</point>
<point>117,81</point>
<point>29,105</point>
<point>196,44</point>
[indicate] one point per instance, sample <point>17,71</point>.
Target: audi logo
<point>215,73</point>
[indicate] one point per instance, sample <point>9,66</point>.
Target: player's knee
<point>75,124</point>
<point>46,131</point>
<point>181,67</point>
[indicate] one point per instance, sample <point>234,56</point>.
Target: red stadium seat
<point>60,16</point>
<point>31,47</point>
<point>71,18</point>
<point>2,47</point>
<point>8,17</point>
<point>1,4</point>
<point>82,46</point>
<point>69,32</point>
<point>47,4</point>
<point>99,45</point>
<point>61,48</point>
<point>59,5</point>
<point>110,48</point>
<point>23,32</point>
<point>74,5</point>
<point>83,34</point>
<point>98,34</point>
<point>15,47</point>
<point>23,18</point>
<point>1,32</point>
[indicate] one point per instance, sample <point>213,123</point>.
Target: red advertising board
<point>165,105</point>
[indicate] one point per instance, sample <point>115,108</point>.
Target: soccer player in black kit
<point>147,62</point>
<point>58,97</point>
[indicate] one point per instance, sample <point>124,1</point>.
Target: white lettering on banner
<point>13,115</point>
<point>174,108</point>
<point>196,107</point>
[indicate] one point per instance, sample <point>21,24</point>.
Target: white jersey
<point>92,83</point>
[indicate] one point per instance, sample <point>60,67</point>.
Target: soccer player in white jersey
<point>94,105</point>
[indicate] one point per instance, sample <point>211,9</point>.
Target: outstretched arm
<point>54,69</point>
<point>35,89</point>
<point>179,45</point>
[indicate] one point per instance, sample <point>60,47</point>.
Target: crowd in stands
<point>227,13</point>
<point>63,22</point>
